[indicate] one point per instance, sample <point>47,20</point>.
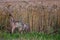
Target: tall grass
<point>40,18</point>
<point>28,36</point>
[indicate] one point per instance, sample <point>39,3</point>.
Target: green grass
<point>28,36</point>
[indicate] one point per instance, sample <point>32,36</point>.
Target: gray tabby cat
<point>22,27</point>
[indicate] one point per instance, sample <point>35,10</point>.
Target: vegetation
<point>29,36</point>
<point>43,20</point>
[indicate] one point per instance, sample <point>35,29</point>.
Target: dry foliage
<point>40,18</point>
